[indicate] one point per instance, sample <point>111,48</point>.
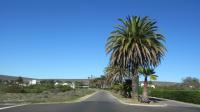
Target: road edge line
<point>86,97</point>
<point>12,106</point>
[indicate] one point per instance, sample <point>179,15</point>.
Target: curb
<point>164,105</point>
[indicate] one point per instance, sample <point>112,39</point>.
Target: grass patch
<point>190,96</point>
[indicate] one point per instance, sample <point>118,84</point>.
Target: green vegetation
<point>136,47</point>
<point>117,87</point>
<point>124,89</point>
<point>191,96</point>
<point>132,44</point>
<point>115,73</point>
<point>187,91</point>
<point>46,96</point>
<point>135,43</point>
<point>191,82</point>
<point>19,80</point>
<point>38,88</point>
<point>146,72</point>
<point>98,82</point>
<point>19,91</point>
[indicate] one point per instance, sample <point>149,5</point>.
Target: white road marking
<point>12,106</point>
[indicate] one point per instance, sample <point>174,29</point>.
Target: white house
<point>33,82</point>
<point>149,85</point>
<point>66,84</point>
<point>56,83</point>
<point>71,84</point>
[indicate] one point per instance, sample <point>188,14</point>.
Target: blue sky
<point>66,38</point>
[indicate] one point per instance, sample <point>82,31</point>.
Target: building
<point>71,84</point>
<point>149,85</point>
<point>33,82</point>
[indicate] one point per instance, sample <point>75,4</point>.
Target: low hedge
<point>34,89</point>
<point>191,96</point>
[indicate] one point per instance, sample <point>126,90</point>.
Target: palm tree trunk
<point>145,88</point>
<point>134,83</point>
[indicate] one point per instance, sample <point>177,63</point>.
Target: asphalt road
<point>100,102</point>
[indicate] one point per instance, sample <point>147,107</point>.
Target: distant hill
<point>7,77</point>
<point>163,83</point>
<point>85,81</point>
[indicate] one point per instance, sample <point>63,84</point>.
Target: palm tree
<point>99,82</point>
<point>115,73</point>
<point>147,72</point>
<point>102,81</point>
<point>135,43</point>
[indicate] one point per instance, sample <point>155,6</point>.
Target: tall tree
<point>191,82</point>
<point>102,81</point>
<point>135,43</point>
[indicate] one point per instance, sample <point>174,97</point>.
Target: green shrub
<point>64,88</point>
<point>190,96</point>
<point>117,87</point>
<point>14,89</point>
<point>35,89</point>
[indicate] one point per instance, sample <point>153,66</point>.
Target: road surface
<point>100,102</point>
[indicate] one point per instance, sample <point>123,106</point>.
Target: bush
<point>179,95</point>
<point>64,88</point>
<point>14,89</point>
<point>173,87</point>
<point>117,87</point>
<point>34,89</point>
